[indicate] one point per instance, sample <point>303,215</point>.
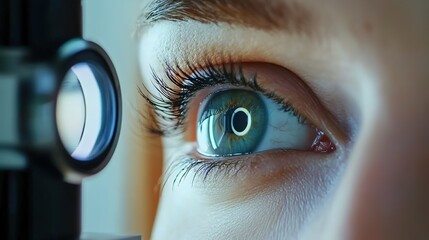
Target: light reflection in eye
<point>237,121</point>
<point>241,121</point>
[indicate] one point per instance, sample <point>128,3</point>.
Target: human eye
<point>230,111</point>
<point>239,121</point>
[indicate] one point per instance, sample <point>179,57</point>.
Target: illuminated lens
<point>85,111</point>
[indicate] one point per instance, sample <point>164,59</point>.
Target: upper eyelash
<point>172,102</point>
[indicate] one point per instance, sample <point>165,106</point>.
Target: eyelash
<point>172,105</point>
<point>186,163</point>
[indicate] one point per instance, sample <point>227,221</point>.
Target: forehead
<point>359,18</point>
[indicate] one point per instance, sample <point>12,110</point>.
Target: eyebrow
<point>259,14</point>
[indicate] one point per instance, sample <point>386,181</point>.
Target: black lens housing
<point>36,86</point>
<point>80,51</point>
<point>40,182</point>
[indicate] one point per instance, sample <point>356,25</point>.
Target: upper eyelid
<point>174,106</point>
<point>269,75</point>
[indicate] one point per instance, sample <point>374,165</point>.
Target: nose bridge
<point>387,201</point>
<point>385,190</point>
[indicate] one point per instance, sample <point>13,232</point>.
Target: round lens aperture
<point>86,111</point>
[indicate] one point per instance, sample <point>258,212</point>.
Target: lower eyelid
<point>241,175</point>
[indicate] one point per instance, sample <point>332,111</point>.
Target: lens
<point>85,111</point>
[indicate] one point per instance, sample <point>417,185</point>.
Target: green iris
<point>231,122</point>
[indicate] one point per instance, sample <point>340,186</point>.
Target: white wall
<point>113,200</point>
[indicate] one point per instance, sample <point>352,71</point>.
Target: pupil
<point>240,121</point>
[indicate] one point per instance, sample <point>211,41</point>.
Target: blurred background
<point>122,198</point>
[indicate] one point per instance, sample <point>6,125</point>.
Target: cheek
<point>274,207</point>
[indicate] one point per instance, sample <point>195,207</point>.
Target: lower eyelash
<point>181,167</point>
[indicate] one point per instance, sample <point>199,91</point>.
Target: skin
<point>369,69</point>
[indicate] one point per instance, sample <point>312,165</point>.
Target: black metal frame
<point>40,191</point>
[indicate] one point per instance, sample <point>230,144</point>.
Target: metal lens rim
<point>77,51</point>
